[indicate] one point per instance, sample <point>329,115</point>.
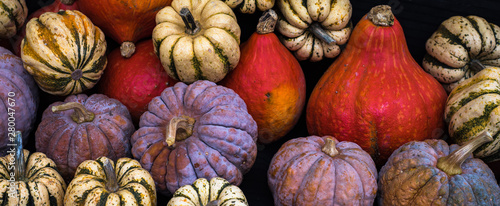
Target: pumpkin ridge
<point>478,123</point>
<point>420,188</point>
<point>229,32</point>
<point>311,170</point>
<point>110,145</point>
<point>75,34</point>
<point>476,28</point>
<point>10,13</point>
<point>221,153</point>
<point>52,44</point>
<point>135,193</point>
<point>226,184</point>
<point>470,96</point>
<point>196,189</point>
<point>172,68</point>
<point>220,53</point>
<point>28,51</point>
<point>58,136</point>
<point>463,184</point>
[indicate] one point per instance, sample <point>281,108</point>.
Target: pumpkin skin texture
<point>13,14</point>
<point>413,176</point>
<point>205,49</point>
<point>375,94</point>
<point>101,182</point>
<point>218,137</point>
<point>125,21</point>
<point>248,6</point>
<point>216,192</point>
<point>317,170</point>
<point>103,130</point>
<point>275,105</point>
<point>19,99</point>
<point>64,52</point>
<point>457,45</point>
<point>136,80</point>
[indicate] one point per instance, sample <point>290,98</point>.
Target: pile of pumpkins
<point>181,106</point>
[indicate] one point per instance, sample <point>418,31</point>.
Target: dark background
<point>419,19</point>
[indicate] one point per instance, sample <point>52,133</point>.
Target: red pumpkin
<point>270,81</point>
<point>125,21</point>
<point>135,81</point>
<point>375,94</point>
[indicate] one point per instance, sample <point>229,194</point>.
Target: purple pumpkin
<point>198,131</point>
<point>19,95</point>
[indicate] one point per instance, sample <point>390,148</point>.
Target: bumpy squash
<point>102,182</point>
<point>248,6</point>
<point>314,29</point>
<point>322,171</point>
<point>198,131</point>
<point>202,192</point>
<point>197,40</point>
<point>64,52</point>
<point>13,13</point>
<point>457,44</point>
<point>431,172</point>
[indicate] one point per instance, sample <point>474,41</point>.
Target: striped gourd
<point>473,107</point>
<point>197,40</point>
<point>13,13</point>
<point>202,192</point>
<point>101,182</point>
<point>456,44</point>
<point>249,6</point>
<point>64,52</point>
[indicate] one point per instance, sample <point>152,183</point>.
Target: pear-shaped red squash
<point>270,81</point>
<point>375,94</point>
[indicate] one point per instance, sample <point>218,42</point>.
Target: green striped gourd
<point>64,52</point>
<point>249,6</point>
<point>197,40</point>
<point>101,182</point>
<point>472,108</point>
<point>456,44</point>
<point>13,13</point>
<point>202,192</point>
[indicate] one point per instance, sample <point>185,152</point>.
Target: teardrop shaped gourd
<point>375,94</point>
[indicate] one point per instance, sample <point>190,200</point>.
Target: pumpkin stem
<point>67,2</point>
<point>111,181</point>
<point>80,114</point>
<point>178,129</point>
<point>476,65</point>
<point>330,148</point>
<point>19,164</point>
<point>320,33</point>
<point>452,163</point>
<point>127,49</point>
<point>381,15</point>
<point>267,22</point>
<point>192,26</point>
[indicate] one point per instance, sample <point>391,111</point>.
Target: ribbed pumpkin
<point>202,192</point>
<point>431,172</point>
<point>19,99</point>
<point>375,94</point>
<point>13,13</point>
<point>249,6</point>
<point>125,21</point>
<point>198,131</point>
<point>457,44</point>
<point>102,182</point>
<point>270,81</point>
<point>29,178</point>
<point>197,40</point>
<point>84,128</point>
<point>472,108</point>
<point>314,29</point>
<point>64,52</point>
<point>322,171</point>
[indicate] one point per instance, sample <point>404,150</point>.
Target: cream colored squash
<point>249,6</point>
<point>13,13</point>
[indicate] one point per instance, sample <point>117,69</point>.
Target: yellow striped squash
<point>101,182</point>
<point>472,108</point>
<point>202,192</point>
<point>197,40</point>
<point>13,13</point>
<point>64,52</point>
<point>457,43</point>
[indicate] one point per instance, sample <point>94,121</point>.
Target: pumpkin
<point>431,172</point>
<point>316,28</point>
<point>64,52</point>
<point>84,128</point>
<point>125,21</point>
<point>102,182</point>
<point>13,13</point>
<point>317,170</point>
<point>202,192</point>
<point>19,99</point>
<point>275,105</point>
<point>472,108</point>
<point>249,6</point>
<point>375,94</point>
<point>197,40</point>
<point>29,178</point>
<point>198,131</point>
<point>458,43</point>
<point>136,80</point>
